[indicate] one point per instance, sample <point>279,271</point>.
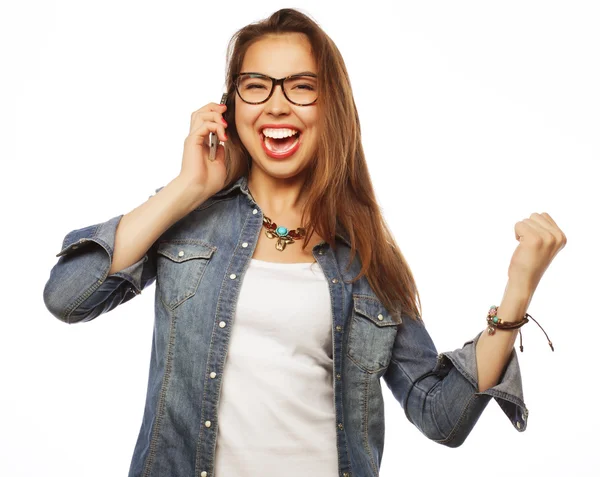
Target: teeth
<point>279,133</point>
<point>269,146</point>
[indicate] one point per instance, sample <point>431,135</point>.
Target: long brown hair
<point>338,185</point>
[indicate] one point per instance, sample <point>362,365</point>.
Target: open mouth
<point>278,143</point>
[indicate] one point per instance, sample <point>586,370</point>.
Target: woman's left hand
<point>540,239</point>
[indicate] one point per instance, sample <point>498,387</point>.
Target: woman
<point>268,348</point>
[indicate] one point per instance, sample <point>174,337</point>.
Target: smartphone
<point>213,138</point>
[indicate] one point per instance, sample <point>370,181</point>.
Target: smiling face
<point>278,56</point>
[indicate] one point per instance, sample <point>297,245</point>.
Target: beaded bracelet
<point>496,323</point>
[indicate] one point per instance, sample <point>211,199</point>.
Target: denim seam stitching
<point>458,423</point>
<point>415,386</point>
<point>212,202</point>
<point>84,296</point>
<point>468,376</point>
<point>336,265</point>
<point>87,293</point>
<point>351,319</point>
<point>332,308</point>
<point>495,393</point>
<point>200,270</point>
<point>433,413</point>
<point>162,399</point>
<point>221,362</point>
<point>365,423</point>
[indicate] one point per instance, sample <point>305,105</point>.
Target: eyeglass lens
<point>256,88</point>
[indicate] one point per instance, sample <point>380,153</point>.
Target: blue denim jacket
<point>198,265</point>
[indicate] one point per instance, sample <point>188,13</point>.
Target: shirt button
<point>255,211</point>
<point>203,473</point>
<point>245,244</point>
<point>340,426</point>
<point>380,317</point>
<point>335,280</point>
<point>338,328</point>
<point>180,253</point>
<point>213,375</point>
<point>207,423</point>
<point>321,252</point>
<point>222,324</point>
<point>518,425</point>
<point>339,376</point>
<point>232,276</point>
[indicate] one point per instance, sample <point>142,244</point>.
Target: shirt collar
<point>242,185</point>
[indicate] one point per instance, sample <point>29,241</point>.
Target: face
<point>278,56</point>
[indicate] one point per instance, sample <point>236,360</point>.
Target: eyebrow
<point>293,74</point>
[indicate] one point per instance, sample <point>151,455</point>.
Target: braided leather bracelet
<point>496,323</point>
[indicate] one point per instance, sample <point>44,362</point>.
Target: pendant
<point>283,235</point>
<point>282,242</point>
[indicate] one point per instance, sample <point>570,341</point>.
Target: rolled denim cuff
<point>104,235</point>
<point>508,393</point>
<point>79,282</point>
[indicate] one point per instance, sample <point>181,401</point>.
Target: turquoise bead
<point>282,231</point>
<point>495,320</point>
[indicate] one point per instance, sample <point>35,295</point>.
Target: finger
<point>538,234</point>
<point>549,219</point>
<point>201,117</point>
<point>522,229</point>
<point>541,221</point>
<point>200,134</point>
<point>545,221</point>
<point>214,116</point>
<point>561,235</point>
<point>211,107</point>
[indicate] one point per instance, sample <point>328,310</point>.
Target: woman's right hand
<point>204,177</point>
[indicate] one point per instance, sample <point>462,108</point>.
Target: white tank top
<point>276,413</point>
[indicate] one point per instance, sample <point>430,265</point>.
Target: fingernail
<point>224,122</point>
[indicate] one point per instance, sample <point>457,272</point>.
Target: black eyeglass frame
<point>274,82</point>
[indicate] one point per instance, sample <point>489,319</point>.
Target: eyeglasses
<point>256,88</point>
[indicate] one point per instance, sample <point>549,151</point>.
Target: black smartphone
<point>213,138</point>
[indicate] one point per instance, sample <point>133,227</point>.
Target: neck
<point>277,197</point>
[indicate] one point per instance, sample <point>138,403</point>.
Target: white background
<point>474,115</point>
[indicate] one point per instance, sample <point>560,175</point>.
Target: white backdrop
<point>474,115</point>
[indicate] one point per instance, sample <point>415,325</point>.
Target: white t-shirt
<point>276,412</point>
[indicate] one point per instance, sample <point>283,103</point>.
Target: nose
<point>277,103</point>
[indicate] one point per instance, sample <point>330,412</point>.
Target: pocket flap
<point>371,308</point>
<point>182,250</point>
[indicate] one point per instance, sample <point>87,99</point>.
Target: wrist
<point>514,303</point>
<point>190,195</point>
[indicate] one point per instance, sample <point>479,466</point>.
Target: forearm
<point>141,227</point>
<point>493,351</point>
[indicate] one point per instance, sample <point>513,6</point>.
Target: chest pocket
<point>180,265</point>
<point>372,334</point>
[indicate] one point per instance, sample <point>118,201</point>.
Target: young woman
<point>281,295</point>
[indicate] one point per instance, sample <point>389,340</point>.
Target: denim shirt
<point>198,265</point>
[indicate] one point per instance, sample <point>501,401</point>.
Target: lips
<point>280,154</point>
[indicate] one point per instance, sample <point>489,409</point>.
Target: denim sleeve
<point>79,288</point>
<point>439,392</point>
